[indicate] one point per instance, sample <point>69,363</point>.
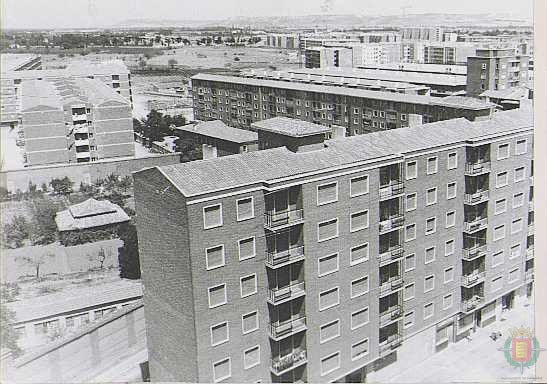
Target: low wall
<point>83,172</point>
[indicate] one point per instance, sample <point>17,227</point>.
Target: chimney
<point>338,132</point>
<point>414,120</point>
<point>209,151</point>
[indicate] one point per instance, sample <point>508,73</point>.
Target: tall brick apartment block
<point>331,262</point>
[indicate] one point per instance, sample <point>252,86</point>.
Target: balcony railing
<point>392,314</point>
<point>531,180</point>
<point>530,229</point>
<point>276,220</point>
<point>471,304</point>
<point>276,259</point>
<point>530,253</point>
<point>476,225</point>
<point>391,343</point>
<point>474,252</point>
<point>81,142</point>
<point>82,155</point>
<point>282,294</point>
<point>391,255</point>
<point>391,285</point>
<point>476,197</point>
<point>473,278</point>
<point>280,330</point>
<point>477,168</point>
<point>394,188</point>
<point>283,364</point>
<point>529,275</point>
<point>394,222</point>
<point>79,117</point>
<point>531,206</point>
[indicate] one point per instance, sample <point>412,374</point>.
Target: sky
<point>104,13</point>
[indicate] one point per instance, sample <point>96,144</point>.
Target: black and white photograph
<point>250,191</point>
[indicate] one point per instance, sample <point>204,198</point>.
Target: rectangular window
<point>219,333</point>
<point>330,363</point>
<point>503,151</point>
<point>428,310</point>
<point>249,322</point>
<point>222,370</point>
<point>408,320</point>
<point>521,147</point>
<point>358,221</point>
<point>520,174</point>
<point>514,275</point>
<point>251,357</point>
<point>452,162</point>
<point>245,209</point>
<point>429,283</point>
<point>248,285</point>
<point>449,247</point>
<point>358,186</point>
<point>359,287</point>
<point>518,200</point>
<point>327,230</point>
<point>447,301</point>
<point>329,331</point>
<point>516,226</point>
<point>359,318</point>
<point>214,257</point>
<point>411,202</point>
<point>430,225</point>
<point>359,349</point>
<point>411,170</point>
<point>515,251</point>
<point>431,196</point>
<point>359,254</point>
<point>410,262</point>
<point>247,248</point>
<point>217,295</point>
<point>451,190</point>
<point>500,206</point>
<point>499,232</point>
<point>329,298</point>
<point>501,179</point>
<point>409,292</point>
<point>432,165</point>
<point>497,283</point>
<point>429,255</point>
<point>410,232</point>
<point>327,193</point>
<point>450,219</point>
<point>327,264</point>
<point>448,274</point>
<point>212,216</point>
<point>497,258</point>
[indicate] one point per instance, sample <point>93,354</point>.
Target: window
<point>497,283</point>
<point>359,254</point>
<point>449,247</point>
<point>330,363</point>
<point>219,333</point>
<point>214,257</point>
<point>448,274</point>
<point>516,226</point>
<point>500,206</point>
<point>497,258</point>
<point>431,196</point>
<point>329,298</point>
<point>520,174</point>
<point>452,162</point>
<point>327,264</point>
<point>409,292</point>
<point>447,301</point>
<point>410,232</point>
<point>450,219</point>
<point>222,370</point>
<point>359,287</point>
<point>327,230</point>
<point>212,216</point>
<point>249,322</point>
<point>359,349</point>
<point>327,193</point>
<point>503,151</point>
<point>451,190</point>
<point>329,331</point>
<point>358,186</point>
<point>518,200</point>
<point>499,232</point>
<point>217,295</point>
<point>428,310</point>
<point>245,209</point>
<point>411,170</point>
<point>432,165</point>
<point>429,255</point>
<point>408,320</point>
<point>514,275</point>
<point>247,248</point>
<point>358,221</point>
<point>501,179</point>
<point>411,202</point>
<point>359,318</point>
<point>410,262</point>
<point>521,147</point>
<point>248,285</point>
<point>429,283</point>
<point>430,225</point>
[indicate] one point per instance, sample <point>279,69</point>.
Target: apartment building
<point>19,62</point>
<point>73,121</point>
<point>326,263</point>
<point>321,57</point>
<point>495,69</point>
<point>450,54</point>
<point>240,101</point>
<point>423,33</point>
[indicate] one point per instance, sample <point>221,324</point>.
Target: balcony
<point>478,168</point>
<point>79,117</point>
<point>389,345</point>
<point>529,275</point>
<point>471,304</point>
<point>284,294</point>
<point>280,330</point>
<point>394,222</point>
<point>473,278</point>
<point>475,225</point>
<point>531,180</point>
<point>391,255</point>
<point>531,206</point>
<point>476,198</point>
<point>81,128</point>
<point>530,253</point>
<point>279,220</point>
<point>80,143</point>
<point>474,252</point>
<point>392,285</point>
<point>392,314</point>
<point>284,364</point>
<point>82,155</point>
<point>531,229</point>
<point>276,259</point>
<point>393,189</point>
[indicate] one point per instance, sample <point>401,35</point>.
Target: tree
<point>189,151</point>
<point>137,126</point>
<point>36,260</point>
<point>17,232</point>
<point>62,186</point>
<point>8,335</point>
<point>172,63</point>
<point>44,228</point>
<point>141,63</point>
<point>128,257</point>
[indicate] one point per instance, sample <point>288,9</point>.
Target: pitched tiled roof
<point>462,102</point>
<point>217,129</point>
<point>90,213</point>
<point>516,93</point>
<point>290,127</point>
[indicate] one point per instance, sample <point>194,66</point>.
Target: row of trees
<point>156,125</point>
<point>58,186</point>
